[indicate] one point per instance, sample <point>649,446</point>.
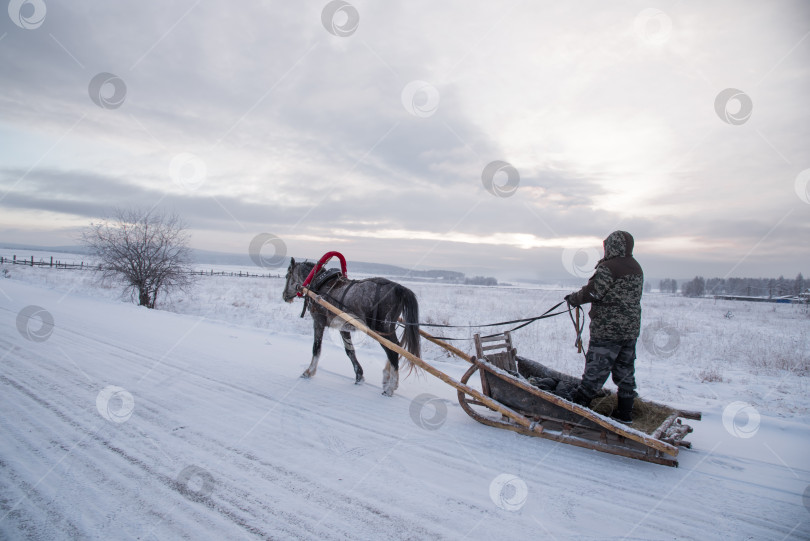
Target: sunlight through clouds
<point>303,120</point>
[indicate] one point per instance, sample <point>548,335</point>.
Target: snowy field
<point>191,422</point>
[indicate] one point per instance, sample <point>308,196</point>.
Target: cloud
<point>304,134</point>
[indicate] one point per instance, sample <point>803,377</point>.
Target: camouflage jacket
<point>614,291</point>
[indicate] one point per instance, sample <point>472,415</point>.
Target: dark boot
<point>580,398</point>
<point>624,410</point>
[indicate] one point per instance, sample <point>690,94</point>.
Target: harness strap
<point>306,305</point>
<point>323,278</point>
<point>345,291</point>
<point>319,281</point>
<point>321,262</point>
<point>376,303</point>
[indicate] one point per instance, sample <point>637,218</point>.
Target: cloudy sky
<point>498,138</point>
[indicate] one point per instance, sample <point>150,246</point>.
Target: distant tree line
<point>668,285</point>
<point>481,281</point>
<point>695,287</point>
<point>748,287</point>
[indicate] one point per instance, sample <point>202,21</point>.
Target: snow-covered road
<point>127,423</point>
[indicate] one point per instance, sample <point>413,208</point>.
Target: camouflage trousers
<point>607,357</point>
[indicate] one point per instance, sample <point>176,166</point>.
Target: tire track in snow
<point>262,485</point>
<point>231,497</point>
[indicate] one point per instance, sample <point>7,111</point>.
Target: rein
<point>523,322</point>
<point>578,327</point>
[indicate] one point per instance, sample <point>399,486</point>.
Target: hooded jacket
<point>614,291</point>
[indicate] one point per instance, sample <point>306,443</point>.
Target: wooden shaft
<point>579,336</point>
<point>497,406</point>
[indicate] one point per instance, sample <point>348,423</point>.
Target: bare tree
<point>146,251</point>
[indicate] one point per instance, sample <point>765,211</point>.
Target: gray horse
<point>377,302</point>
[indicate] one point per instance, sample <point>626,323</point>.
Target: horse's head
<point>293,282</point>
<point>296,274</point>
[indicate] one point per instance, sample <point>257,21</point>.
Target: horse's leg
<point>347,344</point>
<point>318,325</point>
<point>391,370</point>
<point>391,373</point>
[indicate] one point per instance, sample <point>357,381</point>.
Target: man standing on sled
<point>614,292</point>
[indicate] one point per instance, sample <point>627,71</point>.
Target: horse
<point>377,302</point>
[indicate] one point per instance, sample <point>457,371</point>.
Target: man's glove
<point>570,299</point>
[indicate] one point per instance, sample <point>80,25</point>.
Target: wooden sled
<point>561,420</point>
<point>528,410</point>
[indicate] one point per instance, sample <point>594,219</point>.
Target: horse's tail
<point>411,340</point>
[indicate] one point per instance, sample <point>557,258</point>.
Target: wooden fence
<point>52,264</point>
<point>55,264</point>
<point>226,273</point>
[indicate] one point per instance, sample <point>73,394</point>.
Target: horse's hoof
<point>388,393</point>
<point>359,381</point>
<point>306,375</point>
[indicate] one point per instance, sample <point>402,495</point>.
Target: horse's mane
<point>307,266</point>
